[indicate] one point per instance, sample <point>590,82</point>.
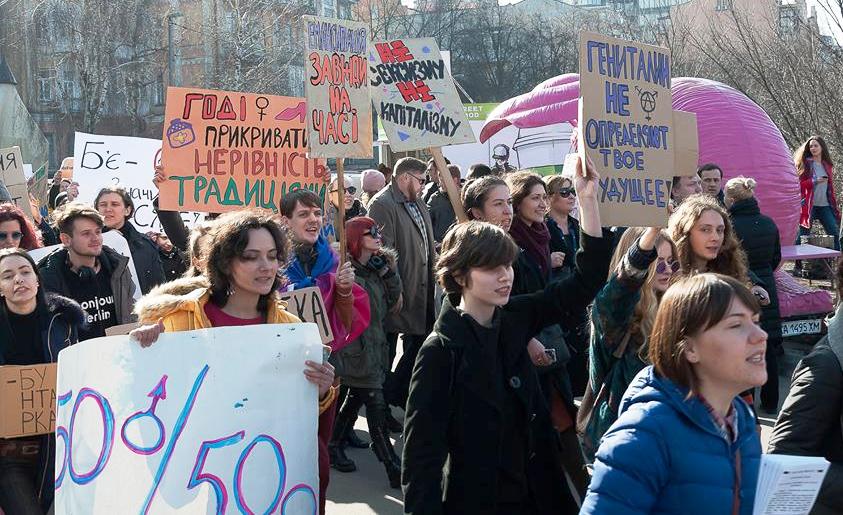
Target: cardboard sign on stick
<point>339,106</point>
<point>626,123</point>
<point>227,151</point>
<point>415,96</point>
<point>138,429</point>
<point>11,174</point>
<point>27,400</point>
<point>309,306</point>
<point>686,145</point>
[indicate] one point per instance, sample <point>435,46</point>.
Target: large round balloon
<point>734,132</point>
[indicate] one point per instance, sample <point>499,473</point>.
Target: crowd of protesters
<point>663,332</point>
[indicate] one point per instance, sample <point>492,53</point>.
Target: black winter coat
<point>759,237</point>
<point>811,420</point>
<point>59,329</point>
<point>441,214</point>
<point>558,243</point>
<point>453,446</point>
<point>145,255</point>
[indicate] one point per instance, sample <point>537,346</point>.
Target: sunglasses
<point>567,192</point>
<point>351,190</point>
<point>373,232</point>
<point>421,180</point>
<point>16,235</point>
<point>663,265</point>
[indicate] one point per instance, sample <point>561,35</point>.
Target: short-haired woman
<point>478,434</point>
<point>116,207</point>
<point>685,442</point>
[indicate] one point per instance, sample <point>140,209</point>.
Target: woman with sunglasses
<point>641,270</point>
<point>564,228</point>
<point>16,231</point>
<point>363,364</point>
<point>759,238</point>
<point>353,207</point>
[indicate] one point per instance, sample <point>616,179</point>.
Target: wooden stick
<point>448,181</point>
<point>339,222</point>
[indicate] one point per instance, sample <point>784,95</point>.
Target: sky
<point>830,23</point>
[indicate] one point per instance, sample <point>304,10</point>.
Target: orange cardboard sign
<point>225,151</point>
<point>27,400</point>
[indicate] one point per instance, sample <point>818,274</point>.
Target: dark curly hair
<point>229,238</point>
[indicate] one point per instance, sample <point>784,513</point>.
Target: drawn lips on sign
<point>648,101</point>
<point>180,133</point>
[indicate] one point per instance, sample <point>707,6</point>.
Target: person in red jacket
<point>815,170</point>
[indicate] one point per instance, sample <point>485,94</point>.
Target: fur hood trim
<point>67,308</point>
<point>166,298</point>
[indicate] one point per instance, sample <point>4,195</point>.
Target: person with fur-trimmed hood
<point>34,327</point>
<point>363,364</point>
<point>239,288</point>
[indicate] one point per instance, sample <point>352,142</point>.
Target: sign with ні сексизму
<point>11,174</point>
<point>203,421</point>
<point>626,122</point>
<point>226,151</point>
<point>27,400</point>
<point>415,95</point>
<point>339,106</point>
<point>102,161</point>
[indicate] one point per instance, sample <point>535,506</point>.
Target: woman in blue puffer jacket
<point>685,442</point>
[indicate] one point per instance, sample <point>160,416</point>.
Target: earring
<point>230,290</point>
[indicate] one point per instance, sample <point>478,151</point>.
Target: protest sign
<point>226,151</point>
<point>113,239</point>
<point>626,121</point>
<point>415,96</point>
<point>209,421</point>
<point>27,400</point>
<point>36,184</point>
<point>103,161</point>
<point>339,106</point>
<point>686,146</point>
<point>11,174</point>
<point>309,306</point>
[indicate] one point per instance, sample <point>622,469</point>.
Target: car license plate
<point>797,327</point>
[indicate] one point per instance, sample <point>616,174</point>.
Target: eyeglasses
<point>420,179</point>
<point>16,235</point>
<point>351,190</point>
<point>567,192</point>
<point>663,265</point>
<point>373,232</point>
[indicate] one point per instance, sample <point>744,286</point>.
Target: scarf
<point>326,262</point>
<point>535,240</point>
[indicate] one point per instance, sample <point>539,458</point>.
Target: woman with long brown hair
<point>816,185</point>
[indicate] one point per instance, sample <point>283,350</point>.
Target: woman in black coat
<point>759,238</point>
<point>478,434</point>
<point>33,329</point>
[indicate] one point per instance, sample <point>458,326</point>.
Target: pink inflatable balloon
<point>734,132</point>
<point>737,134</point>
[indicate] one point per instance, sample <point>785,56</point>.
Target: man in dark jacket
<point>711,180</point>
<point>810,422</point>
<point>95,276</point>
<point>439,206</point>
<point>406,227</point>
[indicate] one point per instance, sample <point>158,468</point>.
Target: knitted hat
<point>372,180</point>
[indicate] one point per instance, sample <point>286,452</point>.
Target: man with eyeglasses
<point>353,207</point>
<point>406,227</point>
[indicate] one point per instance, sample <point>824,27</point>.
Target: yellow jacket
<point>180,305</point>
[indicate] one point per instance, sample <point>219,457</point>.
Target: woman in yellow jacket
<point>239,287</point>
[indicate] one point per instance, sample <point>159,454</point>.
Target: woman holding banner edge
<point>239,287</point>
<point>34,327</point>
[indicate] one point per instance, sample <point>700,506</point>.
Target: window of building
<point>723,5</point>
<point>47,85</point>
<point>329,9</point>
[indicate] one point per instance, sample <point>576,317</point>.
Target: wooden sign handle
<point>339,223</point>
<point>448,181</point>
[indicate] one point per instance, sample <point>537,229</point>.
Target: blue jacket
<point>665,455</point>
